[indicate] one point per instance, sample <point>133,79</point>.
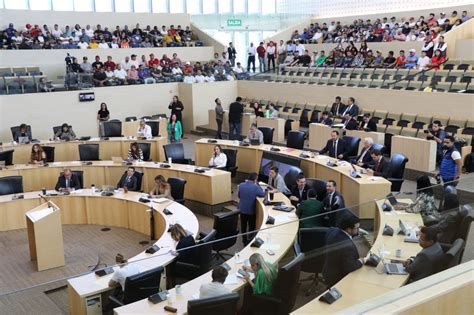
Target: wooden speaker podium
<point>45,236</point>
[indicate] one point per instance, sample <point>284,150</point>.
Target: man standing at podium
<point>67,182</point>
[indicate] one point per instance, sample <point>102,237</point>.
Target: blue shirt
<point>248,193</point>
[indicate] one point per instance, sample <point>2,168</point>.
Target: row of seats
<point>397,79</point>
<point>17,80</point>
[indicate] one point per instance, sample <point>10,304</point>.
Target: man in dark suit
<point>335,147</point>
<point>236,109</point>
<point>367,124</point>
<point>447,227</point>
<point>431,258</point>
<point>129,180</point>
<point>67,182</point>
<point>332,202</point>
<point>380,166</point>
<point>351,108</point>
<point>248,193</point>
<point>364,159</point>
<point>299,192</point>
<point>349,122</point>
<point>337,108</point>
<point>342,256</point>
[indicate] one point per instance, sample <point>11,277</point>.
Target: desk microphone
<point>47,200</point>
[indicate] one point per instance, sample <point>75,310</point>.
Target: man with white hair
<point>364,159</point>
<point>411,60</point>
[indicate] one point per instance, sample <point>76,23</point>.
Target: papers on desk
<point>160,200</point>
<point>78,191</point>
<point>270,246</point>
<point>321,157</point>
<point>285,217</point>
<point>373,178</point>
<point>231,279</point>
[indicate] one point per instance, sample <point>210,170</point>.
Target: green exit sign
<point>234,22</point>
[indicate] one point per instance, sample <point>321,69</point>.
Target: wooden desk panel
<point>319,134</point>
<point>278,124</point>
<point>421,153</point>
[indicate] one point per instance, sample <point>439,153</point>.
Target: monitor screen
<point>283,163</point>
<point>86,97</point>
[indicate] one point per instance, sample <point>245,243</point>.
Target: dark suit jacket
<point>371,125</point>
<point>354,111</point>
<point>131,185</point>
<point>327,121</point>
<point>295,192</point>
<point>337,111</point>
<point>74,182</point>
<point>351,124</point>
<point>367,159</point>
<point>447,226</point>
<point>428,262</point>
<point>330,203</point>
<point>188,255</point>
<point>342,256</point>
<point>329,148</point>
<point>383,169</point>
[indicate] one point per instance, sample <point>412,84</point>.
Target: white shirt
<point>281,49</point>
<point>456,155</point>
<point>145,132</point>
<point>441,47</point>
<point>89,32</point>
<point>126,65</point>
<point>218,161</point>
<point>229,77</point>
<point>103,46</point>
<point>176,70</point>
<point>210,78</point>
<point>212,289</point>
<point>124,272</point>
<point>317,36</point>
<point>200,78</point>
<point>189,79</point>
<point>422,62</point>
<point>252,51</point>
<point>109,74</point>
<point>114,45</point>
<point>300,49</point>
<point>82,45</point>
<point>135,63</point>
<point>238,69</point>
<point>56,33</point>
<point>120,74</point>
<point>271,50</point>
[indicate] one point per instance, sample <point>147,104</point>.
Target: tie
<point>377,168</point>
<point>362,156</point>
<point>67,183</point>
<point>335,148</point>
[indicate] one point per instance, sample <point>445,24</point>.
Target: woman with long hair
<point>38,156</point>
<point>177,108</point>
<point>186,251</point>
<point>175,130</point>
<point>135,153</point>
<point>265,274</point>
<point>218,158</point>
<point>162,188</point>
<point>436,60</point>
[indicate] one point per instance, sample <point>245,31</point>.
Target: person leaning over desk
<point>38,156</point>
<point>186,251</point>
<point>162,188</point>
<point>216,287</point>
<point>135,153</point>
<point>255,134</point>
<point>125,270</point>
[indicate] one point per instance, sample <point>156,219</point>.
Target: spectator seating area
<point>77,37</point>
<point>383,29</point>
<point>17,80</point>
<point>454,76</point>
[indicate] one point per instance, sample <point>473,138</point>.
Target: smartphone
<point>243,273</point>
<point>226,266</point>
<point>270,252</point>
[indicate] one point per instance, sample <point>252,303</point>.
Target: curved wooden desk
<point>358,192</point>
<point>121,210</point>
<point>283,235</point>
<point>365,283</point>
<point>69,151</point>
<point>211,187</point>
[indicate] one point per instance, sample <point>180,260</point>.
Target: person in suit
<point>380,165</point>
<point>367,124</point>
<point>128,180</point>
<point>216,287</point>
<point>364,159</point>
<point>349,122</point>
<point>337,108</point>
<point>23,134</point>
<point>331,203</point>
<point>276,182</point>
<point>325,120</point>
<point>447,226</point>
<point>351,108</point>
<point>248,193</point>
<point>342,256</point>
<point>335,147</point>
<point>67,182</point>
<point>299,191</point>
<point>427,262</point>
<point>309,211</point>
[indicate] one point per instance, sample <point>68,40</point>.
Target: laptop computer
<point>23,140</point>
<point>254,142</point>
<point>117,159</point>
<point>395,268</point>
<point>395,204</point>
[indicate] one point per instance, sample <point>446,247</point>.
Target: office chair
<point>155,128</point>
<point>139,287</point>
<point>221,304</point>
<point>319,186</point>
<point>89,152</point>
<point>57,128</point>
<point>226,226</point>
<point>397,170</point>
<point>352,146</point>
<point>291,176</point>
<point>454,255</point>
<point>16,129</point>
<point>295,139</point>
<point>139,176</point>
<point>176,152</point>
<point>131,118</point>
<point>11,185</point>
<point>283,297</point>
<point>49,151</point>
<point>112,128</point>
<point>145,147</point>
<point>7,157</point>
<point>379,147</point>
<point>231,162</point>
<point>177,188</point>
<point>267,134</point>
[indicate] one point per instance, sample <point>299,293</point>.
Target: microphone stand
<point>47,200</point>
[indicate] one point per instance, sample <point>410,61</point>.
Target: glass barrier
<point>178,270</point>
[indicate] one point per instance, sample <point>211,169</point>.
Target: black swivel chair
<point>291,176</point>
<point>454,255</point>
<point>267,134</point>
<point>285,290</point>
<point>295,139</point>
<point>288,126</point>
<point>16,129</point>
<point>11,185</point>
<point>177,188</point>
<point>89,152</point>
<point>397,170</point>
<point>231,162</point>
<point>319,186</point>
<point>139,287</point>
<point>379,147</point>
<point>311,242</point>
<point>49,151</point>
<point>176,152</point>
<point>7,157</point>
<point>218,305</point>
<point>155,127</point>
<point>145,147</point>
<point>57,128</point>
<point>352,146</point>
<point>131,118</point>
<point>112,128</point>
<point>189,271</point>
<point>226,226</point>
